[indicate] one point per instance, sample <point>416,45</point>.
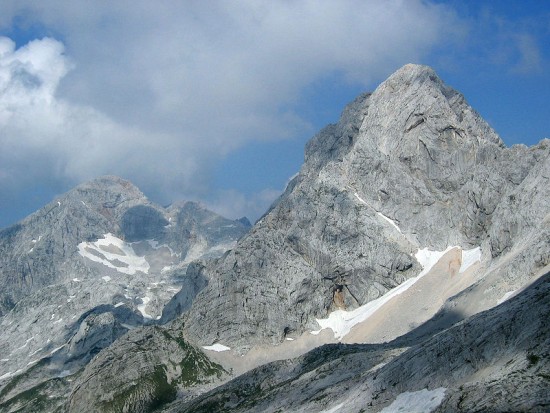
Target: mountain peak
<point>415,81</point>
<point>414,103</point>
<point>415,71</point>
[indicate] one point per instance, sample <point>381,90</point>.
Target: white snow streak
<point>506,297</point>
<point>392,222</point>
<point>334,409</point>
<point>423,401</point>
<point>469,258</point>
<point>37,351</point>
<point>341,322</point>
<point>216,347</point>
<point>5,376</point>
<point>111,249</point>
<point>26,343</point>
<point>55,350</point>
<point>118,305</point>
<point>360,199</point>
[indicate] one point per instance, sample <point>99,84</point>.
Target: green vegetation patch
<point>147,394</point>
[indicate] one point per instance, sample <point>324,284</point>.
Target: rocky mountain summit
<point>93,264</point>
<point>404,268</point>
<point>408,168</point>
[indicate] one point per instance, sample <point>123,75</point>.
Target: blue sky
<point>214,101</point>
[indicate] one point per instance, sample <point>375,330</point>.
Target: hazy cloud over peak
<point>159,92</point>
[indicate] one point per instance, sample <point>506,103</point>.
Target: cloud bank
<point>157,92</point>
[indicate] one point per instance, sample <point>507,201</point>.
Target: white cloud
<point>158,91</point>
<point>529,59</point>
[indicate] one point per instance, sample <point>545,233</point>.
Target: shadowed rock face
<point>407,167</point>
<point>142,222</point>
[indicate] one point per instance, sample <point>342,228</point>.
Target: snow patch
<point>106,278</point>
<point>141,307</point>
<point>341,322</point>
<point>360,199</point>
<point>423,401</point>
<point>506,297</point>
<point>114,253</point>
<point>55,350</point>
<point>58,321</point>
<point>216,347</point>
<point>37,351</point>
<point>118,305</point>
<point>76,280</point>
<point>392,222</point>
<point>470,258</point>
<point>289,339</point>
<point>5,376</point>
<point>64,373</point>
<point>26,343</point>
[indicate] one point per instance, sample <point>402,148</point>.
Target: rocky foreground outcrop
<point>497,360</point>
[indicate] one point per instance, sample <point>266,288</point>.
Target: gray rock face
<point>407,167</point>
<point>42,250</point>
<point>141,372</point>
<point>95,332</point>
<point>95,263</point>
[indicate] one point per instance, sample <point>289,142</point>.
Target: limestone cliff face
<point>409,166</point>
